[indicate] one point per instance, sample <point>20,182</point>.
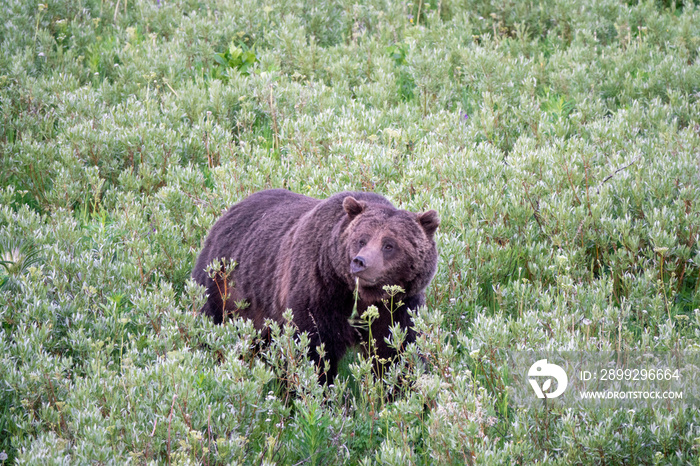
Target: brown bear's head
<point>388,246</point>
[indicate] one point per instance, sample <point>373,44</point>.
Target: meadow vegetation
<point>558,140</point>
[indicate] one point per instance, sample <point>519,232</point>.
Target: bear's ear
<point>429,221</point>
<point>353,207</point>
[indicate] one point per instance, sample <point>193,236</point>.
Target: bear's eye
<point>362,243</point>
<point>388,247</point>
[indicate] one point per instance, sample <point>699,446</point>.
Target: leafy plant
<point>239,58</point>
<point>16,258</point>
<point>404,81</point>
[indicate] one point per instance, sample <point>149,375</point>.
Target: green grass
<point>559,142</point>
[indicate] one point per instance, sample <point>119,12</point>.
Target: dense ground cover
<point>560,142</point>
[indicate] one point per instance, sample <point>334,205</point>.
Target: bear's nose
<point>358,264</point>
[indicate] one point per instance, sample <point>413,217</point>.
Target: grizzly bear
<point>296,252</point>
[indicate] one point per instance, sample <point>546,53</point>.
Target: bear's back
<point>261,218</point>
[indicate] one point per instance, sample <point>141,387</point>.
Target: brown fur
<point>305,254</point>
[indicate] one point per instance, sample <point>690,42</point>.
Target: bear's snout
<point>358,264</point>
<point>368,266</point>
